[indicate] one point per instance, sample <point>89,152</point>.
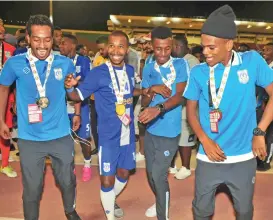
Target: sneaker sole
<point>10,176</point>
<point>150,216</point>
<point>179,178</point>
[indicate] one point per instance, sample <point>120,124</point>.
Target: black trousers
<point>94,122</point>
<point>32,159</point>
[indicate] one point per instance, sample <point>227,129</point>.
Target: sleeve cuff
<point>191,98</point>
<point>70,90</point>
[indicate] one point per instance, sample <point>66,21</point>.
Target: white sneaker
<point>183,173</point>
<point>139,157</point>
<point>151,212</point>
<point>8,171</point>
<point>173,170</point>
<point>11,159</point>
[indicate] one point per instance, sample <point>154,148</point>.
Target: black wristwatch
<point>161,108</point>
<point>258,132</point>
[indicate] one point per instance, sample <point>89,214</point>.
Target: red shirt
<point>7,52</point>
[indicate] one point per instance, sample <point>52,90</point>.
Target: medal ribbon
<point>75,59</point>
<point>216,99</point>
<point>172,77</point>
<point>41,88</point>
<point>118,92</point>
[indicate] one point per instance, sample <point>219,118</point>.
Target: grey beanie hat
<point>221,23</point>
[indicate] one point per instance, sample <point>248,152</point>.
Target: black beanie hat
<point>221,23</point>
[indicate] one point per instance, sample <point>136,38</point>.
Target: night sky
<point>94,15</point>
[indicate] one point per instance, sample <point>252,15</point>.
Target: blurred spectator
<point>268,54</point>
<point>82,50</point>
<point>91,55</point>
<point>22,42</point>
<point>243,48</point>
<point>148,53</point>
<point>22,46</point>
<point>102,46</point>
<point>197,51</point>
<point>20,33</point>
<point>57,37</point>
<point>102,53</point>
<point>139,46</point>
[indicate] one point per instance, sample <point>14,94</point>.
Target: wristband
<point>70,90</point>
<point>77,115</point>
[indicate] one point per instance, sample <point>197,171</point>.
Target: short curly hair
<point>161,32</point>
<point>42,20</point>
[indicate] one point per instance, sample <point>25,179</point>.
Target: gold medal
<point>43,102</point>
<point>120,109</point>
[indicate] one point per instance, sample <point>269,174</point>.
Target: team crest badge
<point>58,73</point>
<point>167,153</point>
<point>106,167</point>
<point>7,54</point>
<point>78,69</point>
<point>243,76</point>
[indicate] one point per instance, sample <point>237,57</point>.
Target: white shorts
<point>187,137</point>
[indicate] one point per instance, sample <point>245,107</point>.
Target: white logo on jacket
<point>243,76</point>
<point>78,69</point>
<point>58,73</point>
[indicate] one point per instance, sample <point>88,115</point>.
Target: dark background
<point>93,15</point>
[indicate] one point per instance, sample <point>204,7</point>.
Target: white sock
<point>108,203</point>
<point>87,163</point>
<point>119,185</point>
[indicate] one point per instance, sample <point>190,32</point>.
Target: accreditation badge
<point>215,116</point>
<point>34,114</point>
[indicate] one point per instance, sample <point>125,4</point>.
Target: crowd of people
<point>153,90</point>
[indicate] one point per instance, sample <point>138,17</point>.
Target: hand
<point>148,114</point>
<point>70,81</point>
<point>162,90</point>
<point>258,147</point>
<point>147,92</point>
<point>76,122</point>
<point>213,151</point>
<point>4,131</point>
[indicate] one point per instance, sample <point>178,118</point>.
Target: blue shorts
<point>113,157</point>
<point>85,130</point>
